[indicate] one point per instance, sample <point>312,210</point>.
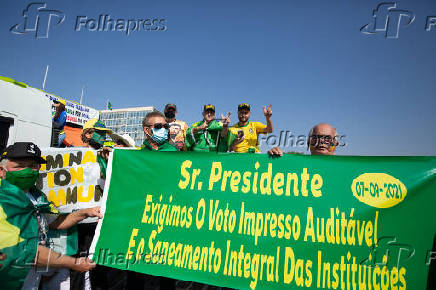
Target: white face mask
<point>160,135</point>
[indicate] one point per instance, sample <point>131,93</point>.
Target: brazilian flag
<point>18,235</point>
<point>109,106</point>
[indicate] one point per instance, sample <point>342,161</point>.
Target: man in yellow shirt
<point>243,137</point>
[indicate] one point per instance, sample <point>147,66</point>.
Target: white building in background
<point>126,121</point>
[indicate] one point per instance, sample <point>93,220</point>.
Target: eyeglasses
<point>319,139</point>
<point>159,126</point>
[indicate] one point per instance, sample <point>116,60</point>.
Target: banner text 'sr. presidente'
<point>253,181</point>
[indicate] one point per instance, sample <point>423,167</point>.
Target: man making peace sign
<point>243,137</point>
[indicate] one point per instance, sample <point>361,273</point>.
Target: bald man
<point>322,141</point>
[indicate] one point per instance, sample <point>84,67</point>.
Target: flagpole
<point>81,96</point>
<point>45,77</point>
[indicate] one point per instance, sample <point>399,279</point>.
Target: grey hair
<point>3,162</point>
<point>151,114</point>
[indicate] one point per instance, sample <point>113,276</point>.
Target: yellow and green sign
<point>249,221</point>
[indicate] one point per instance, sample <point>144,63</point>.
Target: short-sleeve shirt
<point>177,134</point>
<point>251,131</point>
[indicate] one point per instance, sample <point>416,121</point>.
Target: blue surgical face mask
<point>159,135</point>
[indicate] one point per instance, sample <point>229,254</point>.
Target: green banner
<point>252,221</point>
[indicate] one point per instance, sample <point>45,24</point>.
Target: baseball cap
<point>168,106</point>
<point>244,106</point>
<point>23,150</point>
<point>60,101</point>
<point>209,107</point>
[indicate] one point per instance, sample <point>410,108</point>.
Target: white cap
<point>126,139</point>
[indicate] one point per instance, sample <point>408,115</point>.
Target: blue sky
<point>306,58</point>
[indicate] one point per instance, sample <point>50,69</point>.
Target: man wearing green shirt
<point>209,134</point>
<point>155,129</point>
<point>25,220</point>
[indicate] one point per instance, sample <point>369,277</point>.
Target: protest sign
<point>248,221</point>
<point>71,178</point>
<point>76,113</point>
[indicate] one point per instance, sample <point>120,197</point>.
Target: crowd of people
<point>20,163</point>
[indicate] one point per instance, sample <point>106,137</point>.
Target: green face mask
<point>98,138</point>
<point>23,179</point>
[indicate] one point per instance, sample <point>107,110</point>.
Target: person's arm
<point>235,140</point>
<point>225,122</point>
<point>199,128</point>
<point>185,130</point>
<point>63,118</point>
<point>48,258</point>
<point>268,113</point>
<point>67,221</point>
<point>189,141</point>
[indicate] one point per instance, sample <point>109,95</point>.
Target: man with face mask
<point>322,140</point>
<point>177,128</point>
<point>19,171</point>
<point>156,139</point>
<point>156,133</point>
<point>209,134</point>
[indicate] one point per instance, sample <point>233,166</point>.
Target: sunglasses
<point>159,126</point>
<point>318,139</point>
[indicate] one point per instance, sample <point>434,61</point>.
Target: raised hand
<point>267,111</point>
<point>226,119</point>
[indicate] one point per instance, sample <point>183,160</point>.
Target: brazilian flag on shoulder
<point>18,235</point>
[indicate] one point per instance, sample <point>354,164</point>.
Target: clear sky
<point>306,58</point>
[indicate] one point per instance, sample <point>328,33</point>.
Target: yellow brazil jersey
<point>251,130</point>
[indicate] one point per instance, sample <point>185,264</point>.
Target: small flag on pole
<point>109,105</point>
